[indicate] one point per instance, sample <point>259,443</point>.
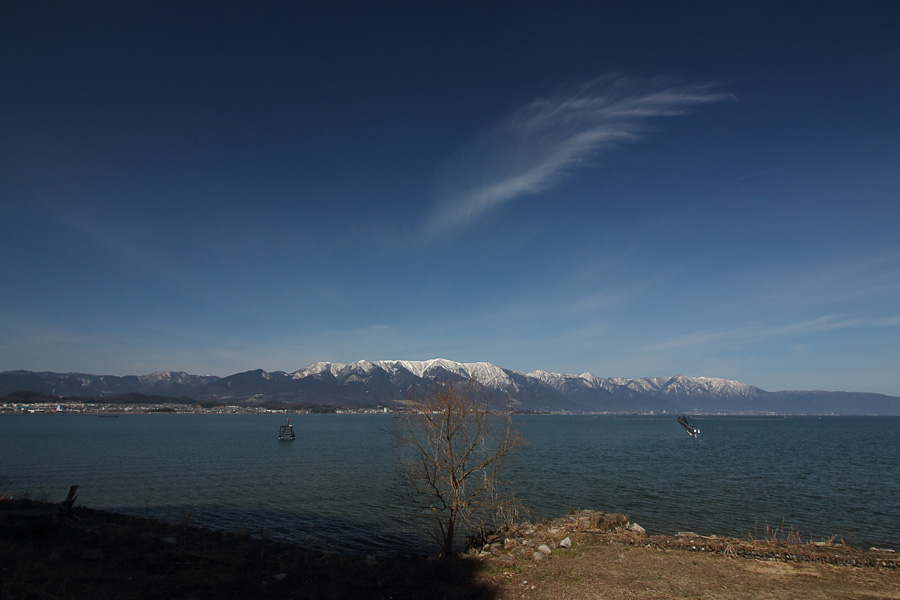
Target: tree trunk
<point>448,538</point>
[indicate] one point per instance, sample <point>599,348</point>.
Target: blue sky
<point>631,189</point>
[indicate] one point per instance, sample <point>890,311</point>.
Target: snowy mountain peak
<point>496,378</point>
<point>381,383</point>
<point>317,369</point>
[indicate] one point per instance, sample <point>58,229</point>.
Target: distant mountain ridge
<point>380,383</point>
<point>170,383</point>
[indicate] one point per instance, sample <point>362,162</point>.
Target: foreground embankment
<point>587,554</point>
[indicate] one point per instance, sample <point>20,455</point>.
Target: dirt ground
<point>610,567</point>
<point>95,554</point>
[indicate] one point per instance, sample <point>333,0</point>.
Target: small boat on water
<point>689,427</point>
<point>286,432</point>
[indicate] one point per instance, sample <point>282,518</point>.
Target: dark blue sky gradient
<point>220,186</point>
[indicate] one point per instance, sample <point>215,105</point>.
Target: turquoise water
<point>335,486</point>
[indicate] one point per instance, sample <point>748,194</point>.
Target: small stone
<point>637,529</point>
<point>54,558</point>
<point>545,549</point>
<point>170,540</point>
<point>537,556</point>
<point>279,576</point>
<point>566,543</point>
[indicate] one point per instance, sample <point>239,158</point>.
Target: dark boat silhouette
<point>689,427</point>
<point>286,432</point>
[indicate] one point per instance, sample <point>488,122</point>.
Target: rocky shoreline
<point>539,541</point>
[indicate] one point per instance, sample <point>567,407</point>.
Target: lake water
<point>335,485</point>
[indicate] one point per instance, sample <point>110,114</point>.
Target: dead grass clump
<point>783,533</point>
<point>611,522</point>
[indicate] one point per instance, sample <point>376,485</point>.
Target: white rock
<point>637,529</point>
<point>566,543</point>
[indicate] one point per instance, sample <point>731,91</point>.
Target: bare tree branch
<point>455,449</point>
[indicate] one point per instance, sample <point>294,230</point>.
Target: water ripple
<point>336,484</point>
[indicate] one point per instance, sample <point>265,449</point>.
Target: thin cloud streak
<point>531,150</point>
<point>755,334</point>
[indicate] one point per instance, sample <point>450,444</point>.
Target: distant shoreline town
<point>64,407</point>
<point>114,409</point>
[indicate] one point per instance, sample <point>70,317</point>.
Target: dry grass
<point>777,533</point>
<point>605,567</point>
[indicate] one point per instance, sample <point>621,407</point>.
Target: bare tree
<point>454,446</point>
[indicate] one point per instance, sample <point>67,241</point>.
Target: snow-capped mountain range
<point>381,383</point>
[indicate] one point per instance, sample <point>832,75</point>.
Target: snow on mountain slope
<point>503,380</point>
<point>668,386</point>
<point>379,383</point>
<point>172,381</point>
<point>317,369</point>
<point>486,374</point>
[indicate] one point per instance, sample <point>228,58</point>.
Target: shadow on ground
<point>97,554</point>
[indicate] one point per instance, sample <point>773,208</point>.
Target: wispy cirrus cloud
<point>751,333</point>
<point>537,145</point>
